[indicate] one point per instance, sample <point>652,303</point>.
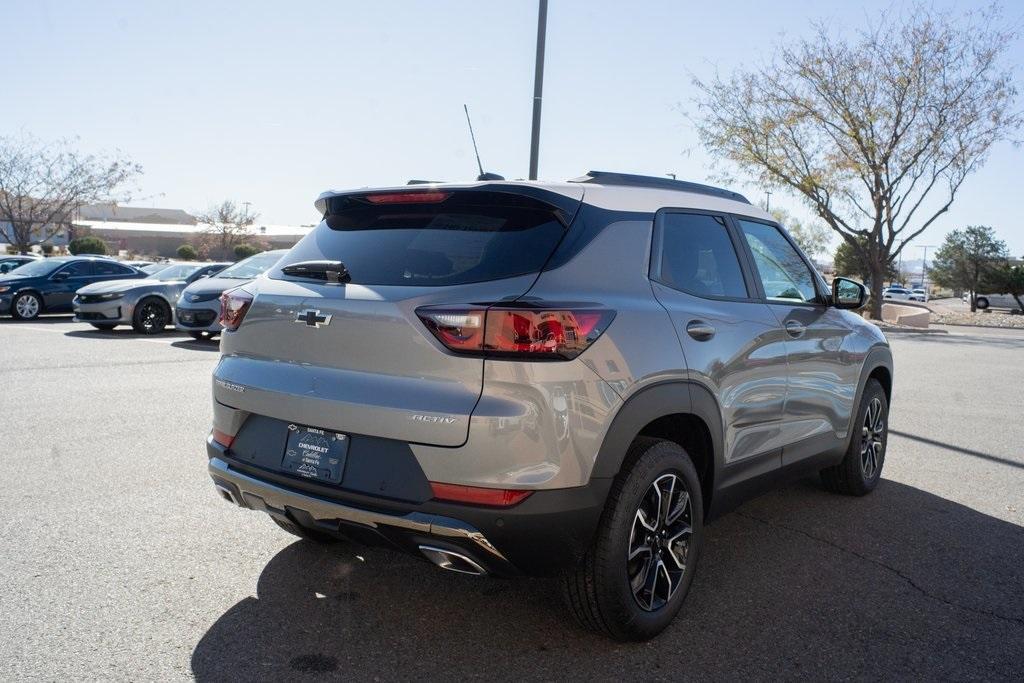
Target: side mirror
<point>848,293</point>
<point>60,277</point>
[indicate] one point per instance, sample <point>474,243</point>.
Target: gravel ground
<point>979,319</point>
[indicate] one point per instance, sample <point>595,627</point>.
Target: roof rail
<point>628,179</point>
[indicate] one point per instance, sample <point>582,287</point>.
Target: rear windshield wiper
<point>328,271</point>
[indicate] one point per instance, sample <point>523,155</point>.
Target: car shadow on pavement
<point>124,333</point>
<point>798,583</point>
<point>197,344</point>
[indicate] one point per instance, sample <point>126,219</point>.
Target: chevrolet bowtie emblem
<point>312,317</point>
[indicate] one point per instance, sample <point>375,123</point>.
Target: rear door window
<point>110,268</point>
<point>697,256</point>
<point>454,238</point>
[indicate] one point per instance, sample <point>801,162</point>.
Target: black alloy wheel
<point>659,542</point>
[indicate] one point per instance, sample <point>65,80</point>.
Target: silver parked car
<point>198,308</point>
<point>544,378</point>
<point>145,304</point>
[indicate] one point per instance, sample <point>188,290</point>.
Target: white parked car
<point>920,293</point>
<point>984,301</point>
<point>901,294</point>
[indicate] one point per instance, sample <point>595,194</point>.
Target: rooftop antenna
<point>483,175</point>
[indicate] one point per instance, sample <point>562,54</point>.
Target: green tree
<point>965,257</point>
<point>1006,279</point>
<point>875,130</point>
<point>245,250</point>
<point>849,262</point>
<point>814,238</point>
<point>187,252</point>
<point>87,245</point>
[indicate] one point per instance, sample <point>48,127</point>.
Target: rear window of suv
<point>452,238</point>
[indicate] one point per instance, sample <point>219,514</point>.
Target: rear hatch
<point>353,356</point>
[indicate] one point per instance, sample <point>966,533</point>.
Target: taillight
<point>505,331</point>
<point>408,197</point>
<point>458,329</point>
<point>233,305</point>
<point>475,495</point>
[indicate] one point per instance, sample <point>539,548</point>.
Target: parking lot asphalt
<point>119,561</point>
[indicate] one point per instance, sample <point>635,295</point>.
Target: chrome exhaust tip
<point>452,561</point>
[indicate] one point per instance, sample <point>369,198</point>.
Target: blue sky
<point>273,102</point>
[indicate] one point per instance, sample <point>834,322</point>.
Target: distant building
<point>157,232</point>
<point>163,239</point>
<point>135,214</point>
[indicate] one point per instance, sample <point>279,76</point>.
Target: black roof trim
<point>631,180</point>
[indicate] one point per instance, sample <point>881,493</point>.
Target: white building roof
<point>256,230</point>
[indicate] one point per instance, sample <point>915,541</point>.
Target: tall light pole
<point>767,201</point>
<point>538,86</point>
<point>924,262</point>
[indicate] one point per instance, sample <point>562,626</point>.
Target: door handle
<point>700,330</point>
<point>795,329</point>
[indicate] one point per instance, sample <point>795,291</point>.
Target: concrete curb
<point>981,327</point>
<point>911,330</point>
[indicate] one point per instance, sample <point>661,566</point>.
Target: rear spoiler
<point>566,201</point>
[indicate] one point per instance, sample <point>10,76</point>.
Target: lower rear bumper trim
<point>259,495</point>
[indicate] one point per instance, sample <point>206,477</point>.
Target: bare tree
<point>42,185</point>
<point>227,225</point>
<point>876,133</point>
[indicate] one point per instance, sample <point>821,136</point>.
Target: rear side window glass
<point>111,269</point>
<point>784,275</point>
<point>462,237</point>
<point>698,257</point>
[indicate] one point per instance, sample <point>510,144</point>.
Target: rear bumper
<point>549,531</point>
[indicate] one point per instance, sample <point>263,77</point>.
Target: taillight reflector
<point>234,304</point>
<point>408,197</point>
<point>503,331</point>
<point>475,495</point>
<point>223,439</point>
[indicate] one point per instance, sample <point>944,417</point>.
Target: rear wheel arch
<point>683,412</point>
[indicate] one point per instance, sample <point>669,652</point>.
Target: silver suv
<point>544,378</point>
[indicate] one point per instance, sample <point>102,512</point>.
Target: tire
<point>151,316</point>
<point>106,327</point>
<point>26,306</point>
<point>304,533</point>
<point>606,592</point>
<point>861,468</point>
<point>981,302</point>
